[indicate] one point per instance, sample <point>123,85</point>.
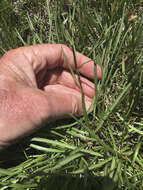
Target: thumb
<point>64,100</point>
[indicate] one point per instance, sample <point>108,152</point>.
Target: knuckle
<point>13,52</point>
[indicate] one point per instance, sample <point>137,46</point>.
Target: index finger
<point>50,56</point>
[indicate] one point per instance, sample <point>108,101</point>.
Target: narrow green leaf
<point>117,40</point>
<point>37,147</point>
<point>20,37</point>
<point>92,167</point>
<point>112,107</point>
<point>113,167</point>
<point>64,161</point>
<point>63,145</point>
<point>70,68</point>
<point>137,148</point>
<point>135,130</point>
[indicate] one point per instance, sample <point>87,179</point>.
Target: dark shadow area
<point>16,153</point>
<point>69,182</point>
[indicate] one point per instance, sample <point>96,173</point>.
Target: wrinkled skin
<point>36,86</point>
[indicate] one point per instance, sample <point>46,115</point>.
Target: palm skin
<point>36,86</point>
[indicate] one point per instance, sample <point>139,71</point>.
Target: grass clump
<point>103,149</point>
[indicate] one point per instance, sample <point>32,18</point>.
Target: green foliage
<point>102,149</point>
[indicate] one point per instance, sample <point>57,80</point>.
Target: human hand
<point>36,86</point>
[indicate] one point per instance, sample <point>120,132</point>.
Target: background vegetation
<point>104,149</point>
